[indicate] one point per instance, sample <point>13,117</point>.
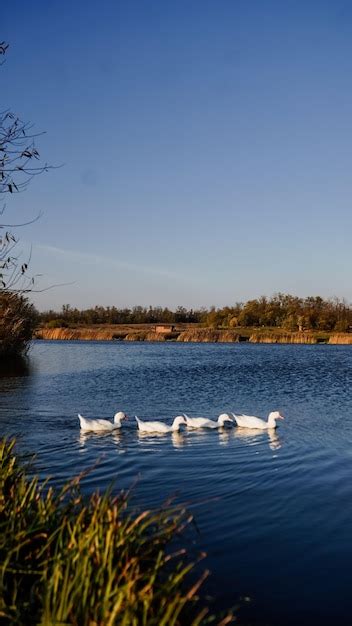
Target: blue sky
<point>206,148</point>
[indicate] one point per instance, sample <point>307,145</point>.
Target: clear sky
<point>206,148</point>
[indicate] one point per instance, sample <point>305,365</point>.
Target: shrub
<point>18,319</point>
<point>57,323</point>
<point>342,326</point>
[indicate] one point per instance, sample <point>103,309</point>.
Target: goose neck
<point>177,422</point>
<point>271,422</point>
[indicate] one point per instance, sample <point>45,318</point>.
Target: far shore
<point>190,333</point>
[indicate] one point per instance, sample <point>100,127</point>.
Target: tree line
<point>278,311</point>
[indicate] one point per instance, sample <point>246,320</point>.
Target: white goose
<point>101,425</point>
<point>204,422</point>
<point>250,421</point>
<point>160,427</point>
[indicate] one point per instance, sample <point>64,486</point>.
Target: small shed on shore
<point>164,328</point>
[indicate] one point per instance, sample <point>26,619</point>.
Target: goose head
<point>224,417</point>
<point>180,419</point>
<point>118,417</point>
<point>273,416</point>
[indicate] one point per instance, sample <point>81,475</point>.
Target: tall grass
<point>18,320</point>
<point>68,559</point>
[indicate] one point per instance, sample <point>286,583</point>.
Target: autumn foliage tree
<point>278,311</point>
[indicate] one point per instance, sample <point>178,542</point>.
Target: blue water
<point>274,512</point>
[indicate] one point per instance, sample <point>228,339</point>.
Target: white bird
<point>160,427</point>
<point>250,421</point>
<point>101,425</point>
<point>204,422</point>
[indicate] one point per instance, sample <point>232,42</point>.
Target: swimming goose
<point>160,427</point>
<point>204,422</point>
<point>250,421</point>
<point>101,425</point>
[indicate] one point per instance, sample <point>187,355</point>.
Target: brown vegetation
<point>282,336</point>
<point>18,319</point>
<point>192,333</point>
<point>209,335</point>
<point>340,339</point>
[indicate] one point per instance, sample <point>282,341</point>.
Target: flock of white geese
<point>154,427</point>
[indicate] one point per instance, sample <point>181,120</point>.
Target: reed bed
<point>66,559</point>
<point>18,320</point>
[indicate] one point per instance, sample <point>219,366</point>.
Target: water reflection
<point>177,438</point>
<point>84,437</point>
<point>224,436</point>
<point>180,439</point>
<point>14,367</point>
<point>274,440</point>
<point>254,436</point>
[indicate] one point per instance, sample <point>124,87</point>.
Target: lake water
<point>274,512</point>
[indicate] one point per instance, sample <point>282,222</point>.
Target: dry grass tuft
<point>66,559</point>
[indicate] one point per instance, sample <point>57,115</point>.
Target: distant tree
<point>279,311</point>
<point>250,314</point>
<point>181,314</point>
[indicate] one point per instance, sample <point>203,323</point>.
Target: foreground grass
<point>67,559</point>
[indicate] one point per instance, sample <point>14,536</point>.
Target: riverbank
<point>191,333</point>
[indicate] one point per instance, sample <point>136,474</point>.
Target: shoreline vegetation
<point>18,320</point>
<point>281,311</point>
<point>190,333</point>
<point>82,560</point>
<point>281,318</point>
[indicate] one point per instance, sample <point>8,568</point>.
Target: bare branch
<point>19,164</point>
<point>35,219</point>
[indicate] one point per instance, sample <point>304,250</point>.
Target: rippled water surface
<point>274,511</point>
